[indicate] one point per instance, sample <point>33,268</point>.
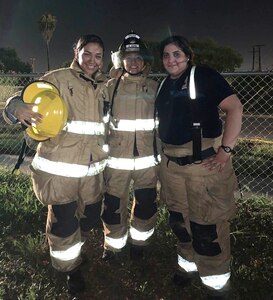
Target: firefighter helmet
<point>46,100</point>
<point>131,43</point>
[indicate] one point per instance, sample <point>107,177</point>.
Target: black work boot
<point>85,259</point>
<point>221,294</point>
<point>136,252</point>
<point>218,295</point>
<point>108,255</point>
<point>111,256</point>
<point>75,282</point>
<point>215,297</point>
<point>183,279</point>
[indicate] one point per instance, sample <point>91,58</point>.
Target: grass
<point>254,156</point>
<point>26,273</point>
<point>10,139</point>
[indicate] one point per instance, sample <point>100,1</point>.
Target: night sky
<point>238,24</point>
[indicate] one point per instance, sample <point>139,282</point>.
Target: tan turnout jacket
<point>76,152</point>
<point>132,119</point>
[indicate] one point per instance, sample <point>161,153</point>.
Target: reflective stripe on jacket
<point>66,169</point>
<point>80,127</point>
<point>137,163</point>
<point>133,125</point>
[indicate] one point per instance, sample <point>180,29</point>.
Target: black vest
<point>174,111</point>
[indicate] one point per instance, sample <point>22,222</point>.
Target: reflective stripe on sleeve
<point>88,128</point>
<point>140,235</point>
<point>68,254</point>
<point>186,265</point>
<point>131,163</point>
<point>66,169</point>
<point>133,125</point>
<point>216,282</point>
<point>116,243</point>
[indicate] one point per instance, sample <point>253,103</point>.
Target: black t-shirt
<point>174,110</point>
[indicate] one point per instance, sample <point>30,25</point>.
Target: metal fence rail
<point>253,159</point>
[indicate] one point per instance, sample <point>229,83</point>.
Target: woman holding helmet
<point>131,156</point>
<point>67,169</point>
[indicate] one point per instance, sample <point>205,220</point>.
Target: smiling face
<point>90,58</point>
<point>175,61</point>
<point>133,63</point>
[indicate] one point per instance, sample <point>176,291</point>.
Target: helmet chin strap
<point>137,74</point>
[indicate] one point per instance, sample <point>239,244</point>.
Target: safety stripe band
<point>68,254</point>
<point>186,265</point>
<point>140,235</point>
<point>116,243</point>
<point>131,163</point>
<point>66,169</point>
<point>133,125</point>
<point>216,282</point>
<point>192,89</point>
<point>88,128</point>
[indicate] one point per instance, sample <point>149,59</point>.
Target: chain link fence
<point>253,159</point>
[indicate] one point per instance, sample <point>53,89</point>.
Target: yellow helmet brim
<point>34,136</point>
<point>36,87</point>
<point>46,100</point>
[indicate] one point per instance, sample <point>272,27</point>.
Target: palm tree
<point>47,26</point>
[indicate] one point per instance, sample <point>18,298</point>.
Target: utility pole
<point>253,58</point>
<point>32,62</point>
<point>259,57</point>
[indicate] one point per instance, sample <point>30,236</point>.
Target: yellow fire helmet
<point>46,100</point>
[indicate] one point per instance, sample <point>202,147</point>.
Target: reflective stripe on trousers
<point>186,265</point>
<point>131,163</point>
<point>88,128</point>
<point>66,169</point>
<point>140,235</point>
<point>116,243</point>
<point>68,254</point>
<point>135,235</point>
<point>216,282</point>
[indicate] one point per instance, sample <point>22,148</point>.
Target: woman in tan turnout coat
<point>131,156</point>
<point>67,169</point>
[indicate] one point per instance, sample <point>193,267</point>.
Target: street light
<point>32,62</point>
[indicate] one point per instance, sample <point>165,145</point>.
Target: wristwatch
<point>227,149</point>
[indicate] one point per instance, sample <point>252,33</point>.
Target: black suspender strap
<point>21,156</point>
<point>156,154</point>
<point>108,108</point>
<point>196,120</point>
<point>114,93</point>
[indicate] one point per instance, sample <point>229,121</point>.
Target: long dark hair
<point>88,38</point>
<point>181,42</point>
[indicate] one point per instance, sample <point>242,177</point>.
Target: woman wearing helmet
<point>131,157</point>
<point>67,169</point>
